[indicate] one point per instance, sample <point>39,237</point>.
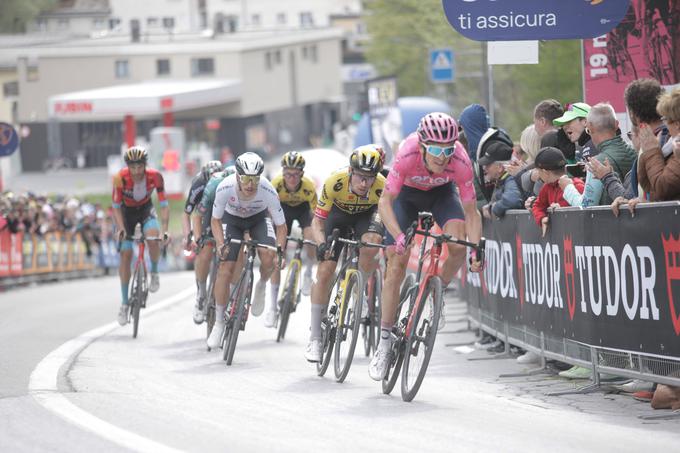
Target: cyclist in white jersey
<point>245,201</point>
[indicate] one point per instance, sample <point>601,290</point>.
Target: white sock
<point>201,288</point>
<point>219,313</point>
<point>385,340</point>
<point>274,296</point>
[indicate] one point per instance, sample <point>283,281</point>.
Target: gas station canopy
<point>145,99</point>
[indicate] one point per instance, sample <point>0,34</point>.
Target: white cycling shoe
<point>257,306</point>
<point>155,282</point>
<point>378,367</point>
<point>215,338</point>
<point>123,315</point>
<point>270,318</point>
<point>314,351</point>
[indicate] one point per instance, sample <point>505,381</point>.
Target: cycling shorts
<point>260,227</point>
<point>302,213</point>
<point>363,222</point>
<point>443,202</point>
<point>144,215</point>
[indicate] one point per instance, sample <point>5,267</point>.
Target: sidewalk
<point>621,408</point>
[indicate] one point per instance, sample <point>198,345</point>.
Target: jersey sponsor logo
<point>429,180</point>
<point>338,186</point>
<point>378,192</point>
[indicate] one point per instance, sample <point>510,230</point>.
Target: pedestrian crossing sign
<point>441,65</point>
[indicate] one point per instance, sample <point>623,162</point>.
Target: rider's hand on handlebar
<point>121,235</point>
<point>188,242</point>
<point>400,245</point>
<point>322,251</point>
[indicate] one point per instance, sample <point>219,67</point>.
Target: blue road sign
<point>441,65</point>
<point>9,140</point>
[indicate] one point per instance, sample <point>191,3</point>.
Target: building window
<point>62,24</point>
<point>202,66</point>
<point>255,20</point>
<point>306,19</point>
<point>41,24</point>
<point>122,69</point>
<point>98,24</point>
<point>312,53</point>
<point>277,57</point>
<point>169,22</point>
<point>268,61</point>
<point>163,67</point>
<point>281,19</point>
<point>152,22</point>
<point>114,23</point>
<point>10,89</point>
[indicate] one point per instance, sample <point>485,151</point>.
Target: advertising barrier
<point>594,279</point>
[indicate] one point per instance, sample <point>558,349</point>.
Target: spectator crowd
<point>578,156</point>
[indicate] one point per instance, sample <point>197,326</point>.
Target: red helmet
<point>437,127</point>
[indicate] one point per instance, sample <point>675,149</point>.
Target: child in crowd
<point>551,163</point>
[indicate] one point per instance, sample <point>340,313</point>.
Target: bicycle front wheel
<point>243,296</point>
<point>420,341</point>
<point>371,321</point>
<point>349,325</point>
<point>288,300</point>
<point>136,298</point>
<point>328,327</point>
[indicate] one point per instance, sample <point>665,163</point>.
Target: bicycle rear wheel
<point>392,375</point>
<point>371,322</point>
<point>243,297</point>
<point>348,326</point>
<point>328,326</point>
<point>288,300</point>
<point>136,298</point>
<point>420,342</point>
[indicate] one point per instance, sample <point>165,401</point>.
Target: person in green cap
<point>573,122</point>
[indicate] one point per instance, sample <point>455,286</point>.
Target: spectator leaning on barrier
<point>474,122</point>
<point>551,167</point>
<point>573,122</point>
<point>545,113</point>
<point>659,164</point>
<point>522,171</point>
<point>602,126</point>
<point>506,194</point>
<point>493,134</point>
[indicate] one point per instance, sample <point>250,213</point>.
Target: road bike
<point>240,296</point>
<point>209,304</point>
<point>139,283</point>
<point>290,292</point>
<point>416,329</point>
<point>370,316</point>
<point>341,326</point>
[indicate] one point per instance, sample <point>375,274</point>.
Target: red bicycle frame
<point>432,271</point>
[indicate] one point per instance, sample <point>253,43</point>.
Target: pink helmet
<point>437,127</point>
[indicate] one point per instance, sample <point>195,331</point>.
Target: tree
<point>403,31</point>
<point>17,13</point>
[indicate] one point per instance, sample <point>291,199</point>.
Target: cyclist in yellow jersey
<point>349,200</point>
<point>297,194</point>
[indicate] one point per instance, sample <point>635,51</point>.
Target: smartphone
<point>577,170</point>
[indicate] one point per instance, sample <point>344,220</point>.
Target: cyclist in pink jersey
<point>431,172</point>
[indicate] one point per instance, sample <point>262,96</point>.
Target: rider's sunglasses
<point>364,178</point>
<point>436,150</point>
<point>292,174</point>
<point>247,179</point>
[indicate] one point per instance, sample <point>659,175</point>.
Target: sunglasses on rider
<point>292,174</point>
<point>436,150</point>
<point>247,179</point>
<point>364,178</point>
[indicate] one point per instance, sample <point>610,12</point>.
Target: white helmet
<point>249,164</point>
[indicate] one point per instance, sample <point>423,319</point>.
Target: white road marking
<point>44,388</point>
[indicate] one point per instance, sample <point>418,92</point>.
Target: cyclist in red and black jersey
<point>132,189</point>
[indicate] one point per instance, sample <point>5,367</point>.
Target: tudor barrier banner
<point>594,278</point>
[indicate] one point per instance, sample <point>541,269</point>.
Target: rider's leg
<point>309,257</point>
<point>202,268</point>
<point>320,290</point>
<point>457,253</point>
<point>367,255</point>
<point>151,229</point>
<point>124,269</point>
<point>394,276</point>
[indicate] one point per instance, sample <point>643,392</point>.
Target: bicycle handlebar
<point>361,243</point>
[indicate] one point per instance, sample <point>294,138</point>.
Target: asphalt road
<point>164,391</point>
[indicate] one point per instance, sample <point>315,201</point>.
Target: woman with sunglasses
<point>431,172</point>
<point>245,201</point>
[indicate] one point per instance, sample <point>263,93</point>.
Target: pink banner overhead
<point>646,43</point>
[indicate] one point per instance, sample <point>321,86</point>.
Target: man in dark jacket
<point>506,194</point>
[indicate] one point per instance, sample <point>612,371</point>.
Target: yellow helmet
<point>293,159</point>
<point>368,158</point>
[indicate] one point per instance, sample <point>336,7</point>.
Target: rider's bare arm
<point>387,213</point>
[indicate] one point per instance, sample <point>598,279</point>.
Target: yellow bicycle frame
<point>343,287</point>
<point>289,268</point>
